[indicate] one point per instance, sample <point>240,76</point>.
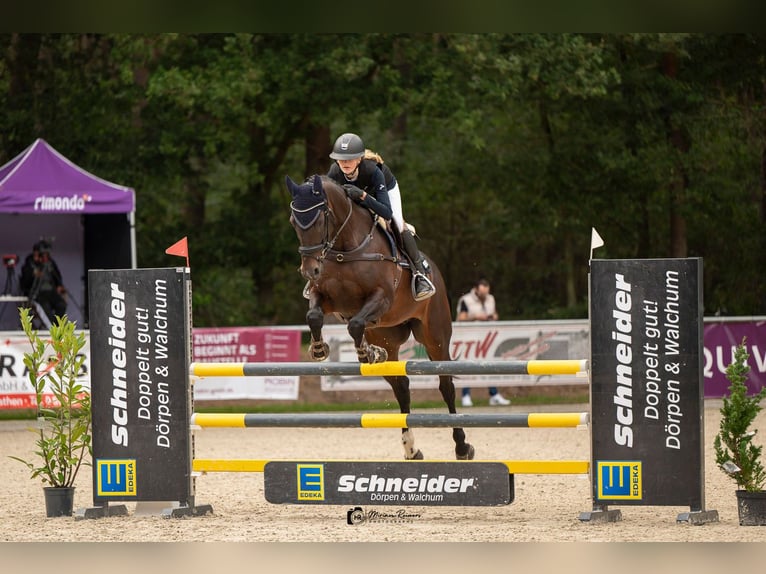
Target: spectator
<point>41,281</point>
<point>479,305</point>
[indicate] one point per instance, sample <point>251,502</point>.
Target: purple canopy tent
<point>89,221</point>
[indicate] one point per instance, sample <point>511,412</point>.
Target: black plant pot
<point>751,507</point>
<point>59,500</point>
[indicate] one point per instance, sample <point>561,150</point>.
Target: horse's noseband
<point>301,218</point>
<point>306,209</point>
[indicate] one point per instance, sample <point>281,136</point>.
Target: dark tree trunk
<point>318,148</point>
<point>679,182</point>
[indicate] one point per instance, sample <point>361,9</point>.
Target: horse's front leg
<point>318,350</point>
<point>367,315</point>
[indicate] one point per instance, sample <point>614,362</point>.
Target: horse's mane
<point>333,193</point>
<point>331,186</point>
<point>337,198</point>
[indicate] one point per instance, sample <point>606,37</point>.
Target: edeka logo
<point>310,482</point>
<point>619,480</point>
<point>116,477</point>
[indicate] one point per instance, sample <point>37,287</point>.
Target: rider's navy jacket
<point>370,179</point>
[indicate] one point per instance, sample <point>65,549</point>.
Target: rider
<point>369,182</point>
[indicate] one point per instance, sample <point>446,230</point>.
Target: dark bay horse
<point>355,274</point>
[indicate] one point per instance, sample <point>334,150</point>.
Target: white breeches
<point>395,196</point>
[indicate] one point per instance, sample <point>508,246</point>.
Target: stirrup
<point>307,290</point>
<point>425,294</point>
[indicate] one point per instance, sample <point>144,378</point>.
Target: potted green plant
<point>64,423</point>
<point>735,452</point>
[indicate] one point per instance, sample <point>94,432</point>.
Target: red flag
<point>180,248</point>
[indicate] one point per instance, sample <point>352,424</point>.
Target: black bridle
<point>326,246</point>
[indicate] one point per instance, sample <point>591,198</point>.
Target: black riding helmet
<point>348,146</point>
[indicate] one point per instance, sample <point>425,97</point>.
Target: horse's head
<point>314,222</point>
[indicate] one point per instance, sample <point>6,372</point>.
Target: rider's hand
<point>353,192</point>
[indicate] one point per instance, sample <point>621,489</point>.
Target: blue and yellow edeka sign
<point>116,477</point>
<point>619,480</point>
<point>310,482</point>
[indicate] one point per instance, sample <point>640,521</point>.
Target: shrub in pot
<point>63,424</point>
<point>735,452</point>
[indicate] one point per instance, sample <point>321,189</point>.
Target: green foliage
<point>734,442</point>
<point>508,148</point>
<point>63,433</point>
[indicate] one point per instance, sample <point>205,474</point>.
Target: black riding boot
<point>422,288</point>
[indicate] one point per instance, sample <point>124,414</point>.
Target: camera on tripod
<point>10,260</point>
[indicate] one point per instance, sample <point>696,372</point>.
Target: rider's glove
<point>353,192</point>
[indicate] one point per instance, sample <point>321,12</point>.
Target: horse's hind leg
<point>463,450</point>
<point>390,339</point>
<point>401,388</point>
<point>439,351</point>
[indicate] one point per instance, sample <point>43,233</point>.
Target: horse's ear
<point>317,184</point>
<point>291,185</point>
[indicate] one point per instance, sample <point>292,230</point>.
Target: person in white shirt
<point>479,305</point>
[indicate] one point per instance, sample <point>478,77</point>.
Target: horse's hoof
<point>417,456</point>
<point>469,454</point>
<point>377,355</point>
<point>319,351</point>
<point>372,354</point>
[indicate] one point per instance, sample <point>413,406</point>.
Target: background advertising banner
<point>525,340</point>
<point>246,345</point>
<point>561,340</point>
<point>15,390</point>
<point>513,341</point>
<point>646,379</point>
<point>722,335</point>
<point>140,356</point>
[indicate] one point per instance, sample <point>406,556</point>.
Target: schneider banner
<point>397,483</point>
<point>140,352</point>
<point>646,382</point>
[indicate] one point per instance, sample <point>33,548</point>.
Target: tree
<point>508,149</point>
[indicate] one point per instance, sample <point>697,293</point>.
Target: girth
<point>355,255</point>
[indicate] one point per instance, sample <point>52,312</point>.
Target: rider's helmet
<point>348,146</point>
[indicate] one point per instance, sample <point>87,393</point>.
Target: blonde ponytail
<point>369,154</point>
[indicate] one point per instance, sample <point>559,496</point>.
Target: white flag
<point>595,240</point>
